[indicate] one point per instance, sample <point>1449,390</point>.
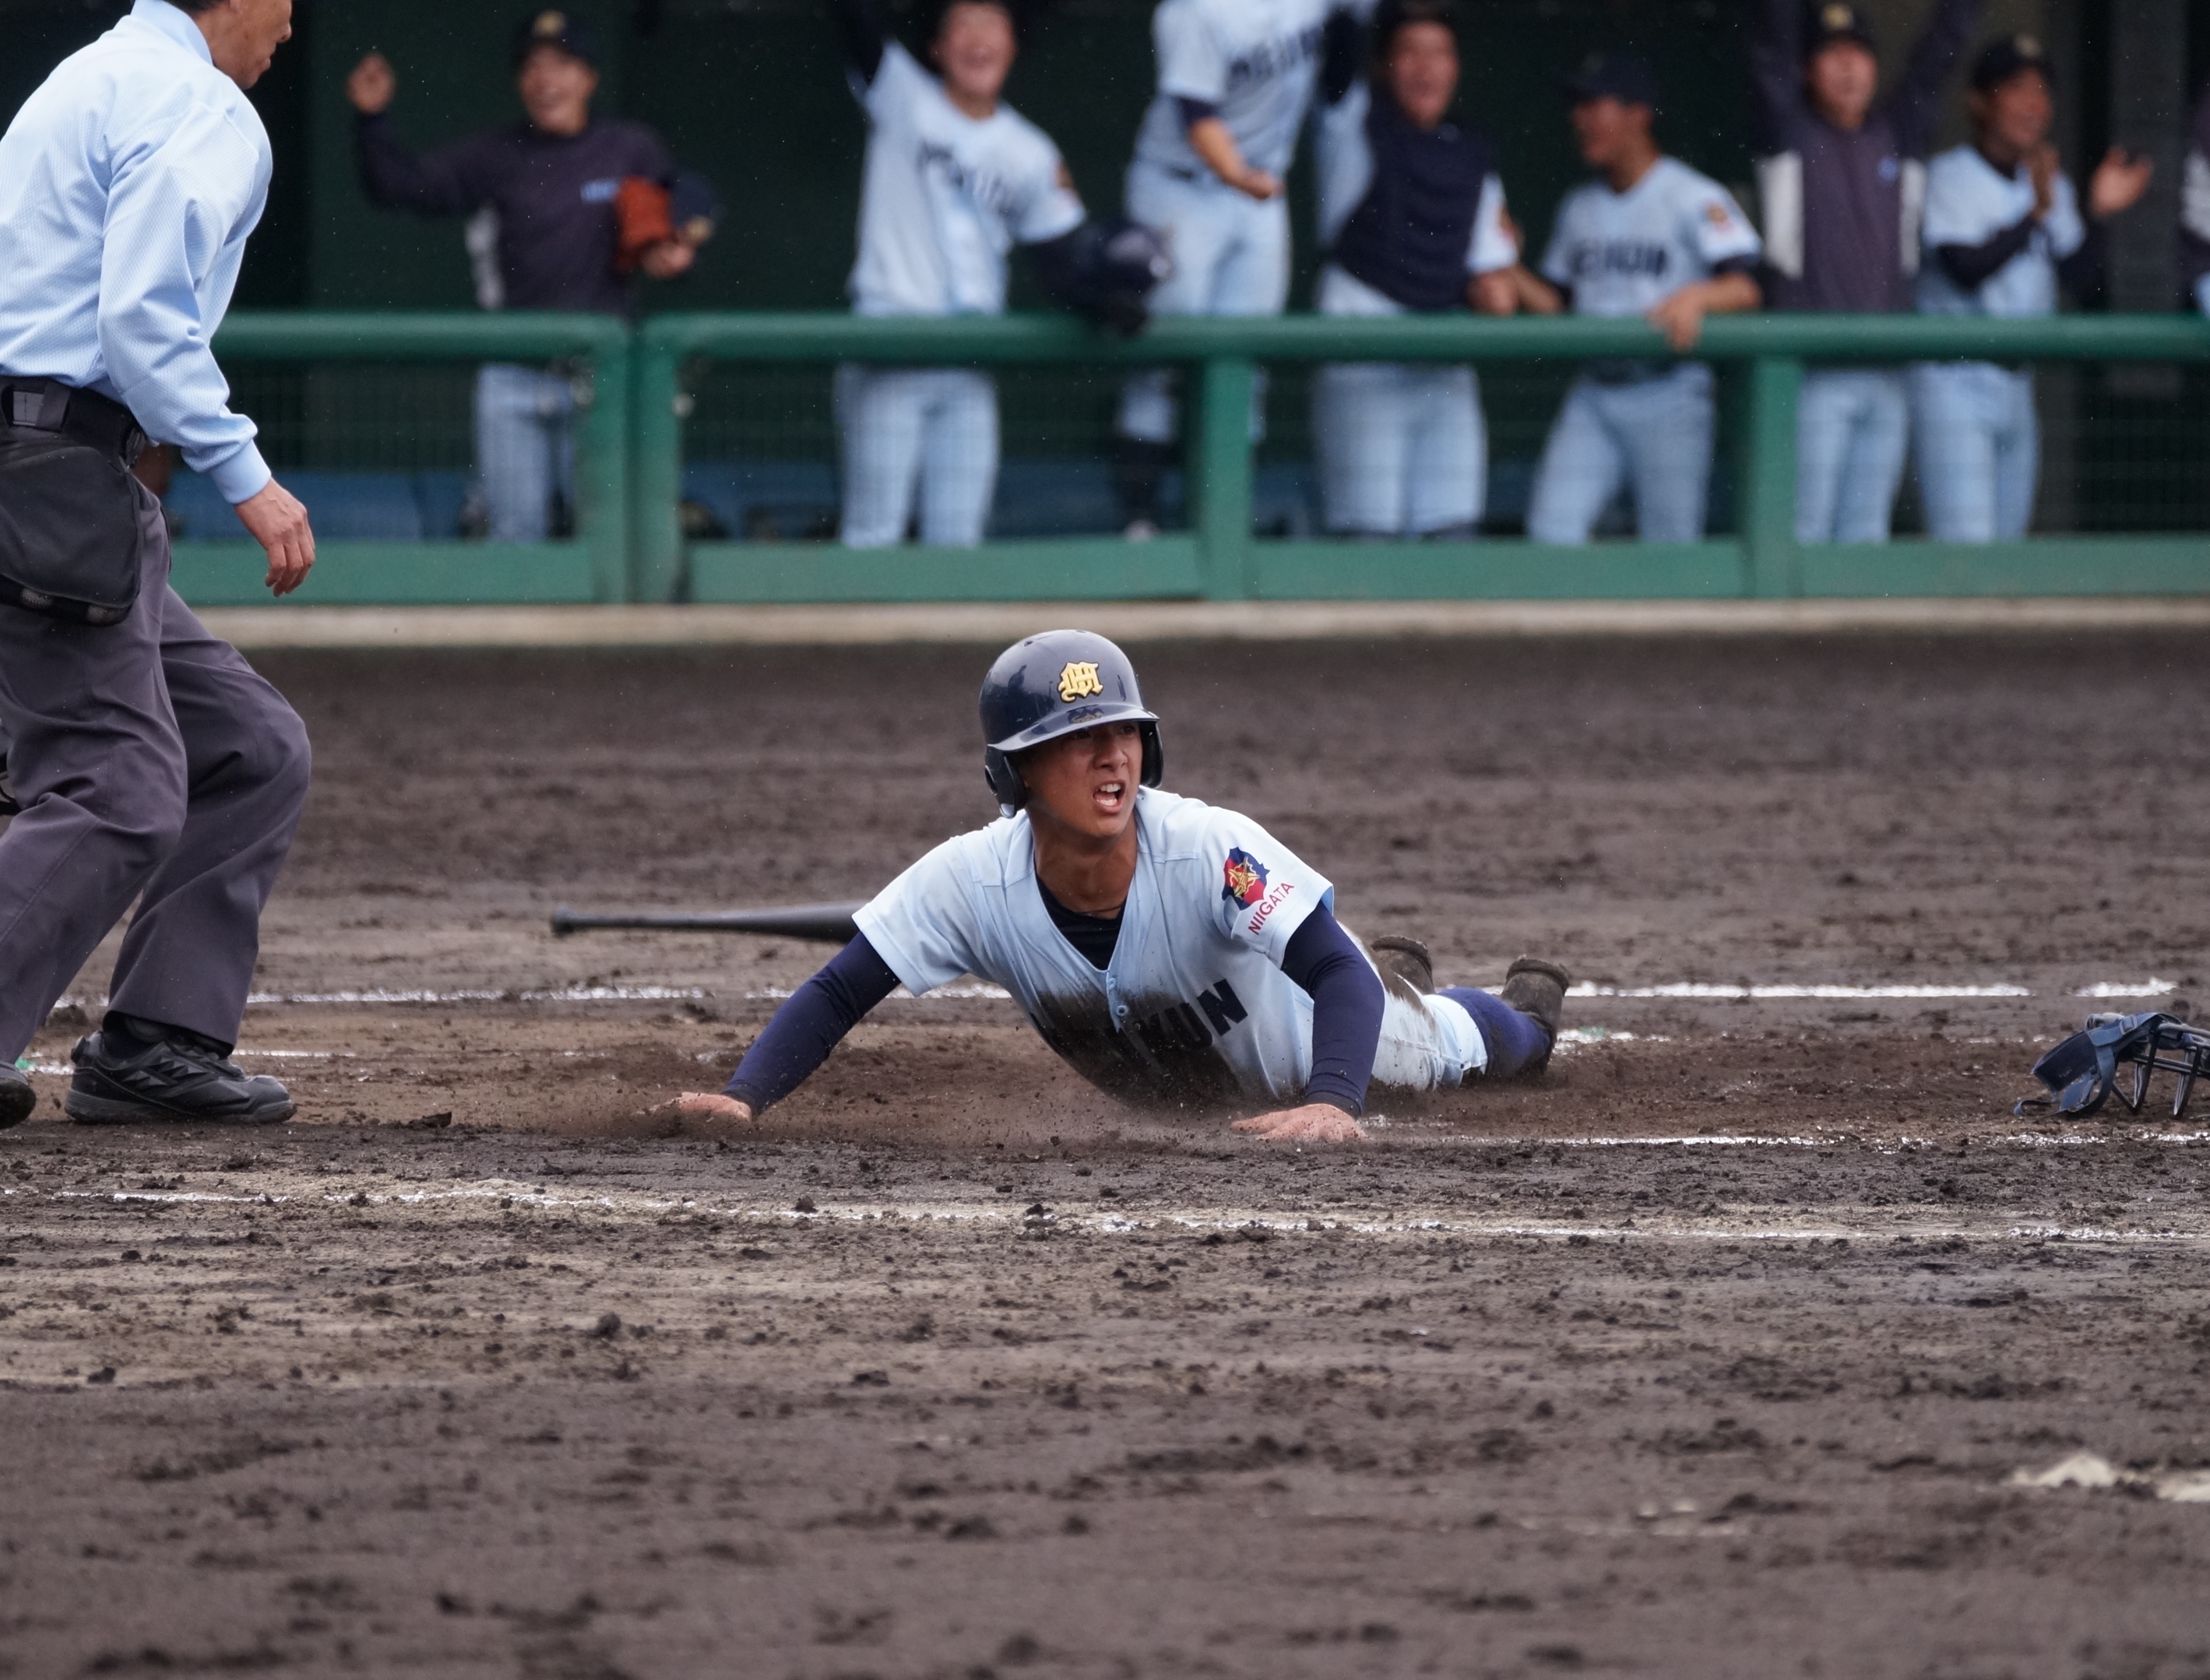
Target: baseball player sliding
<point>1649,237</point>
<point>1169,950</point>
<point>1236,78</point>
<point>955,178</point>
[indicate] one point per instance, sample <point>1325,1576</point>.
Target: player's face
<point>1087,781</point>
<point>974,49</point>
<point>556,91</point>
<point>1422,71</point>
<point>1608,129</point>
<point>2017,114</point>
<point>1842,77</point>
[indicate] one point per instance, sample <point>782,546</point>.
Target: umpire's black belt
<point>83,417</point>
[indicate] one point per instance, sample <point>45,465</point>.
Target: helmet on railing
<point>1050,685</point>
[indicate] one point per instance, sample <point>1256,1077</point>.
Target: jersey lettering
<point>989,192</point>
<point>1618,257</point>
<point>1276,57</point>
<point>1221,1007</point>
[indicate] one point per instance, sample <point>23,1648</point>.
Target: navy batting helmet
<point>1051,685</point>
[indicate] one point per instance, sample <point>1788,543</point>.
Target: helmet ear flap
<point>1004,779</point>
<point>1155,756</point>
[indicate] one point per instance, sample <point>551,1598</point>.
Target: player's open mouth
<point>1109,795</point>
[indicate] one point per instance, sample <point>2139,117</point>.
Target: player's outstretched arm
<point>437,183</point>
<point>861,28</point>
<point>1347,1005</point>
<point>799,1039</point>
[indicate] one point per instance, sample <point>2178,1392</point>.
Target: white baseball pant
<point>932,431</point>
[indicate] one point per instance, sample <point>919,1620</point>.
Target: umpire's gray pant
<point>149,759</point>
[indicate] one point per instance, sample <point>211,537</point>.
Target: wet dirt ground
<point>1722,1349</point>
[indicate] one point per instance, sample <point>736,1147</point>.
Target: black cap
<point>1832,21</point>
<point>556,26</point>
<point>2001,60</point>
<point>1614,75</point>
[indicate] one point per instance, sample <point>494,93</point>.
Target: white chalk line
<point>1194,1219</point>
<point>1684,990</point>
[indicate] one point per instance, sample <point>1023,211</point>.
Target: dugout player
<point>149,760</point>
<point>1842,182</point>
<point>547,199</point>
<point>1170,951</point>
<point>2003,230</point>
<point>955,178</point>
<point>2195,206</point>
<point>1412,209</point>
<point>1649,237</point>
<point>1235,80</point>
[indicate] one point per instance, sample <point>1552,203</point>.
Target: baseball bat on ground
<point>831,924</point>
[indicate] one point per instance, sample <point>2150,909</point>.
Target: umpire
<point>150,761</point>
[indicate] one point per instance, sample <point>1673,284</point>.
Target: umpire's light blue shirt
<point>127,184</point>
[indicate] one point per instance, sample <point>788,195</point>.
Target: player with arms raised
<point>954,179</point>
<point>1170,951</point>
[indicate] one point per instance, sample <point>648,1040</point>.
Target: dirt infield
<point>1721,1350</point>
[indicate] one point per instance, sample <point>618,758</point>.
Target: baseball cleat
<point>1406,957</point>
<point>17,1099</point>
<point>1538,988</point>
<point>168,1080</point>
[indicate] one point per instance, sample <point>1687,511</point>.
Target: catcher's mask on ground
<point>2082,1070</point>
<point>1050,685</point>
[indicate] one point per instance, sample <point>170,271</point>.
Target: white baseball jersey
<point>1254,59</point>
<point>1624,253</point>
<point>1194,1005</point>
<point>947,195</point>
<point>1968,202</point>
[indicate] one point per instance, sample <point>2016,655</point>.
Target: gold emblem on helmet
<point>549,24</point>
<point>1836,17</point>
<point>1079,679</point>
<point>2029,47</point>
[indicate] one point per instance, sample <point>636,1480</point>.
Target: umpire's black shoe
<point>17,1099</point>
<point>131,1082</point>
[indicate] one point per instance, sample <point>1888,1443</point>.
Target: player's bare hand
<point>714,1106</point>
<point>371,85</point>
<point>667,259</point>
<point>2041,168</point>
<point>1315,1122</point>
<point>1681,317</point>
<point>1259,184</point>
<point>2117,184</point>
<point>276,520</point>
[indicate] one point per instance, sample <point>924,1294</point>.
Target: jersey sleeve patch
<point>1266,890</point>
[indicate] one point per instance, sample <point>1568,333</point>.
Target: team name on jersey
<point>1181,1027</point>
<point>1278,56</point>
<point>1591,258</point>
<point>992,192</point>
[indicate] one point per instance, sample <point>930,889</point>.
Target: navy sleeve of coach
<point>1346,995</point>
<point>807,1027</point>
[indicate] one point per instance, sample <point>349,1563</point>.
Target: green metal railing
<point>630,455</point>
<point>593,567</point>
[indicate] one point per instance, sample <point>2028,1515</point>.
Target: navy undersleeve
<point>807,1027</point>
<point>1514,1040</point>
<point>1347,996</point>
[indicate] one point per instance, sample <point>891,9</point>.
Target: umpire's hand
<point>371,85</point>
<point>279,523</point>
